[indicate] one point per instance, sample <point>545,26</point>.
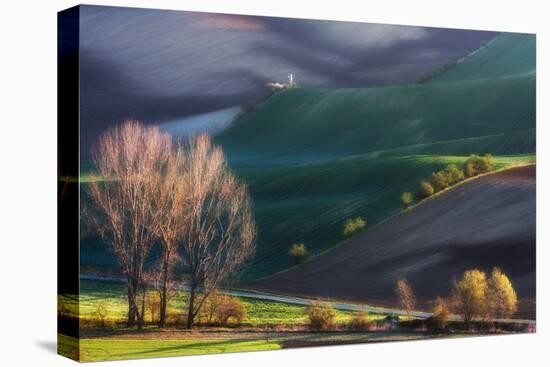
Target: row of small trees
<point>449,176</point>
<point>473,296</point>
<point>440,70</point>
<point>151,189</point>
<point>476,295</point>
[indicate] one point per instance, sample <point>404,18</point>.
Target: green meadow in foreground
<point>98,349</point>
<point>258,312</point>
<point>108,349</point>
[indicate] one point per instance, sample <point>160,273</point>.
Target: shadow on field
<point>205,346</point>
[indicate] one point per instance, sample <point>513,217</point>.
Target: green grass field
<point>258,312</point>
<point>107,349</point>
<point>100,349</point>
<point>134,344</point>
<point>490,94</point>
<point>496,60</point>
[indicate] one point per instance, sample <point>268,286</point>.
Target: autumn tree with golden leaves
<point>469,295</point>
<point>501,296</point>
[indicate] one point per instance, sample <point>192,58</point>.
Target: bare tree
<point>169,209</point>
<point>128,160</point>
<point>405,296</point>
<point>218,233</point>
<point>158,286</point>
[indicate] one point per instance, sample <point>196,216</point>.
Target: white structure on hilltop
<point>276,86</point>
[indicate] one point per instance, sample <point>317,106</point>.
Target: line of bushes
<point>440,70</point>
<point>449,176</point>
<point>322,317</point>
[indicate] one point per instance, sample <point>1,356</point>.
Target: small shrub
<point>439,181</point>
<point>230,309</point>
<point>223,310</point>
<point>407,199</point>
<point>476,165</point>
<point>321,316</point>
<point>207,314</point>
<point>426,189</point>
<point>441,313</point>
<point>152,304</point>
<point>101,313</point>
<point>469,169</point>
<point>405,295</point>
<point>353,225</point>
<point>176,319</point>
<point>298,252</point>
<point>454,174</point>
<point>361,322</point>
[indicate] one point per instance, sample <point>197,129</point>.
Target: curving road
<point>306,301</point>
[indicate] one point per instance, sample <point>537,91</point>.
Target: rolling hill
<point>507,55</point>
<point>304,124</point>
<point>481,224</point>
<point>314,158</point>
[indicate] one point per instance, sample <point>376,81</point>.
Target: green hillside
<point>304,124</point>
<point>314,158</point>
<point>309,203</point>
<point>510,54</point>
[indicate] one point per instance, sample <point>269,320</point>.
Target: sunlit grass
<point>106,349</point>
<point>258,312</point>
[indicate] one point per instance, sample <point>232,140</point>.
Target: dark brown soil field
<point>484,223</point>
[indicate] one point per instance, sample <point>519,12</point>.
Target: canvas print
<point>232,183</point>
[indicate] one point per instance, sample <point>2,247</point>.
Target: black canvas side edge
<point>68,178</point>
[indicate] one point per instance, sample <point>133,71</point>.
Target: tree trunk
<point>131,313</point>
<point>190,310</point>
<point>164,295</point>
<point>142,316</point>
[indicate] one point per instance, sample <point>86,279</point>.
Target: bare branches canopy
<point>127,159</point>
<point>183,196</point>
<point>405,295</point>
<point>218,233</point>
